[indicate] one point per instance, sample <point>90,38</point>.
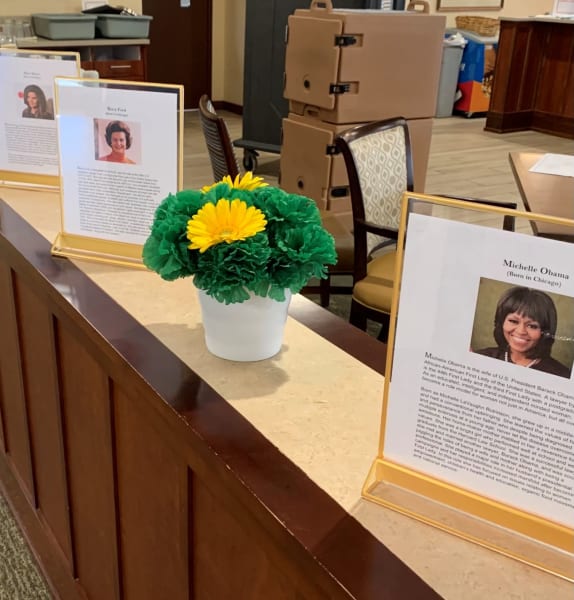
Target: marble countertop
<point>322,412</point>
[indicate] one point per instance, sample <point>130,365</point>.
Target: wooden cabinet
<point>120,69</point>
<point>534,78</point>
<point>124,59</point>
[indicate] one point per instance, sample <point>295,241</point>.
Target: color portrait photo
<point>527,327</point>
<point>37,102</point>
<point>117,141</point>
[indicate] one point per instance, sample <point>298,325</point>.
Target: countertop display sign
<point>28,131</point>
<point>120,154</point>
<point>477,431</point>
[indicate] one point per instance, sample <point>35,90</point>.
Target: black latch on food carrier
<point>345,40</point>
<point>339,88</point>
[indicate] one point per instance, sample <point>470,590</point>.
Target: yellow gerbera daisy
<point>247,182</point>
<point>227,221</point>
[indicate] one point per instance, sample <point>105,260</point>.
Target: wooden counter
<point>124,59</point>
<point>142,467</point>
<point>37,43</point>
<point>534,77</point>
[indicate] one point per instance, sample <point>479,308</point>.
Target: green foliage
<point>293,247</point>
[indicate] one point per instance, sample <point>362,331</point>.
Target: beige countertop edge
<point>323,413</point>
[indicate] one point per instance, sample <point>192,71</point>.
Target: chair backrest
<point>380,169</point>
<point>508,221</point>
<point>219,147</point>
<point>379,165</point>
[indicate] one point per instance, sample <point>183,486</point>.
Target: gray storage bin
<point>64,26</point>
<point>450,67</point>
<point>123,26</point>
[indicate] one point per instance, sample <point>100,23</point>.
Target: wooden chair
<point>379,165</point>
<point>344,245</point>
<point>221,153</point>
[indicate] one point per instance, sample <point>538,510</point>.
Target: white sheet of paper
<point>104,198</point>
<point>489,426</point>
<point>29,145</point>
<point>563,8</point>
<point>555,164</point>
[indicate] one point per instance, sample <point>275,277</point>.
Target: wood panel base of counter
<point>132,477</point>
<point>530,120</point>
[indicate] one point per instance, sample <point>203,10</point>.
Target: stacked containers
<point>344,68</point>
<point>476,74</point>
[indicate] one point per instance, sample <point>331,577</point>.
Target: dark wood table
<point>544,194</point>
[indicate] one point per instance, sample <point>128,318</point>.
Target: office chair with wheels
<point>224,162</point>
<point>219,147</point>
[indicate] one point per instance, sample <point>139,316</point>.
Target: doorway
<point>180,45</point>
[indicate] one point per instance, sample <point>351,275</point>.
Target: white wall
<point>219,36</point>
<point>234,51</point>
<point>228,50</point>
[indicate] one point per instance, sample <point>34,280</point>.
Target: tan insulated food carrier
<point>310,167</point>
<point>308,163</point>
<point>346,66</point>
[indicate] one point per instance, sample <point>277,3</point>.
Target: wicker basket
<point>482,25</point>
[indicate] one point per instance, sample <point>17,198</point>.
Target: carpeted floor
<point>20,578</point>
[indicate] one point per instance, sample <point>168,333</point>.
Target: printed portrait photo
<point>38,103</point>
<point>524,326</point>
<point>117,141</point>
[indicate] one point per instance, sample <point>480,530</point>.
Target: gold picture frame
<point>491,523</point>
<point>30,179</point>
<point>463,5</point>
<point>99,249</point>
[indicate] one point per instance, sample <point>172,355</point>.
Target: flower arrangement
<point>237,237</point>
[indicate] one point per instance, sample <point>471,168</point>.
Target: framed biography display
<point>477,430</point>
<point>28,136</point>
<point>120,147</point>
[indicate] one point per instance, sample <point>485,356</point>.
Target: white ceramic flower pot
<point>245,331</point>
